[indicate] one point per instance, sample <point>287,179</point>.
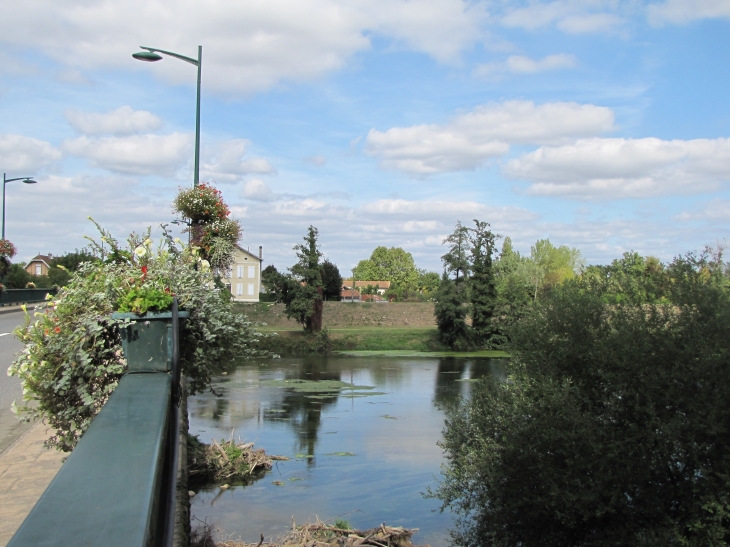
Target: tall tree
<point>456,259</point>
<point>450,313</point>
<point>483,289</point>
<point>331,280</point>
<point>306,306</point>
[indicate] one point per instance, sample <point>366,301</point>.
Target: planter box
<point>147,341</point>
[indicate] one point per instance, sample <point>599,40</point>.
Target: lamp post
<point>26,180</point>
<point>151,56</point>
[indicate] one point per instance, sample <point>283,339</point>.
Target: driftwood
<point>226,460</point>
<point>321,534</point>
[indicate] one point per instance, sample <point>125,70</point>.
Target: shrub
<point>73,360</point>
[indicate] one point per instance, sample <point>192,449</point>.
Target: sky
<point>599,124</point>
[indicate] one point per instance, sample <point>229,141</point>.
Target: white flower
<point>140,251</point>
<point>148,242</point>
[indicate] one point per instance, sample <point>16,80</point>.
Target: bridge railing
<point>24,296</point>
<point>117,488</point>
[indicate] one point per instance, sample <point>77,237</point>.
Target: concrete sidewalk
<point>26,469</point>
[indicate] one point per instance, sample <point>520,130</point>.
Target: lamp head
<point>148,56</point>
<point>30,181</point>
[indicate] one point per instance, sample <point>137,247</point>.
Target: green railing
<point>117,488</point>
<point>24,296</point>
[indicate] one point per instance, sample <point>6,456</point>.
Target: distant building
<point>244,277</point>
<point>382,286</point>
<point>39,265</point>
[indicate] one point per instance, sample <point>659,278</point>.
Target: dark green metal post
<point>196,180</point>
<point>26,180</point>
<point>151,56</point>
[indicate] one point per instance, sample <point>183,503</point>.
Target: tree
<point>482,286</point>
<point>553,264</point>
<point>456,260</point>
<point>614,428</point>
<point>513,278</point>
<point>270,278</point>
<point>331,280</point>
<point>450,313</point>
<point>17,277</point>
<point>389,264</point>
<point>301,291</point>
<point>428,282</point>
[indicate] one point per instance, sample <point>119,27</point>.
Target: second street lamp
<point>151,55</point>
<point>26,180</point>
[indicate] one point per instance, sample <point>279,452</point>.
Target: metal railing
<point>118,486</point>
<point>24,296</point>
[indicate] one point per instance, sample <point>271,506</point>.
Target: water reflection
<point>392,435</point>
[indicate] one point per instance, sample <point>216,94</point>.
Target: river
<point>365,455</point>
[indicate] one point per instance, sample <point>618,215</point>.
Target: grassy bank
<point>297,342</point>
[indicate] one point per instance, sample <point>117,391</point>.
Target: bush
<point>73,360</point>
<point>614,428</point>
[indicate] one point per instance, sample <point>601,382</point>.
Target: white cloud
<point>257,190</point>
<point>248,46</point>
<point>470,139</point>
<point>161,155</point>
<point>19,153</point>
<point>519,64</point>
<point>319,161</point>
<point>570,16</point>
<point>619,168</point>
<point>122,121</point>
<point>226,163</point>
<point>684,11</point>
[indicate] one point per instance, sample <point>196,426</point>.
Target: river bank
<point>407,326</point>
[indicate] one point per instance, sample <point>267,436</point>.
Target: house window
<point>228,273</point>
<point>251,272</point>
<point>239,289</point>
<point>38,269</point>
<point>250,289</point>
<point>240,271</point>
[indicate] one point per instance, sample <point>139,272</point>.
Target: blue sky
<point>601,124</point>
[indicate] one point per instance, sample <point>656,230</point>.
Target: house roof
<point>349,294</point>
<point>247,252</point>
<point>46,259</point>
<point>381,284</point>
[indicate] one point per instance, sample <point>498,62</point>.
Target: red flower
<point>57,330</point>
<point>144,271</point>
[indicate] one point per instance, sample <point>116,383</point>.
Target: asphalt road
<point>10,427</point>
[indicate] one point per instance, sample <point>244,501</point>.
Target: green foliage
<point>451,313</point>
<point>395,265</point>
<point>301,290</point>
<point>613,429</point>
<point>482,286</point>
<point>342,524</point>
<point>331,280</point>
<point>16,277</point>
<point>72,359</point>
<point>554,264</point>
<point>140,300</point>
<point>428,282</point>
<point>456,260</point>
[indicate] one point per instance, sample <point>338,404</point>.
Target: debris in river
<point>321,534</point>
<point>225,460</point>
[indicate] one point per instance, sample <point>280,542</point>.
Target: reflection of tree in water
<point>446,388</point>
<point>303,412</point>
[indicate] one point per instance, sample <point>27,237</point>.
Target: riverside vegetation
<point>614,427</point>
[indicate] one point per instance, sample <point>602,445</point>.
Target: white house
<point>244,277</point>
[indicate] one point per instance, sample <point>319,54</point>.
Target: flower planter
<point>147,340</point>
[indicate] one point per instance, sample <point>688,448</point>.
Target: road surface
<point>10,427</point>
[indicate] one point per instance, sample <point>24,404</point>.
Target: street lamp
<point>151,56</point>
<point>26,180</point>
